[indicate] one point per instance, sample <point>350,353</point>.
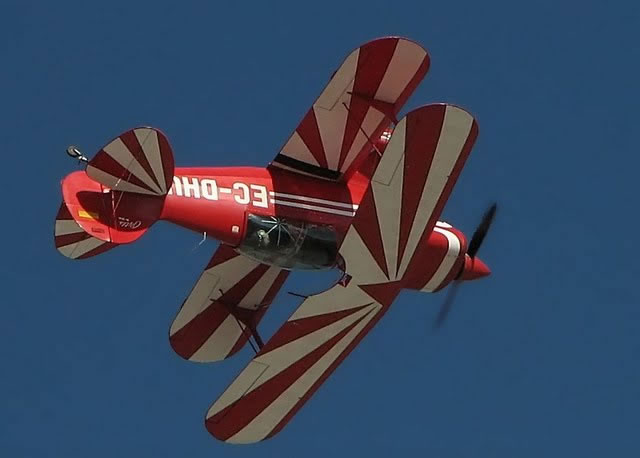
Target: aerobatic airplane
<point>353,188</point>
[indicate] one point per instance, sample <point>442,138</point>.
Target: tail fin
<point>119,196</point>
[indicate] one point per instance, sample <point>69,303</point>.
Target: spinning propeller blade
<point>474,245</point>
<point>446,305</point>
<point>481,231</point>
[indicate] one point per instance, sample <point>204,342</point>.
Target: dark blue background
<point>541,359</point>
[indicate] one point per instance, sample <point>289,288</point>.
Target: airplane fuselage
<point>218,200</point>
<point>292,221</point>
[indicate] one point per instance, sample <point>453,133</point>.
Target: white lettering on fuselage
<point>243,197</point>
<point>208,189</point>
<point>191,187</point>
<point>259,196</point>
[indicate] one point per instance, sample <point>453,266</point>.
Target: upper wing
<point>232,293</point>
<point>408,190</point>
<point>362,98</point>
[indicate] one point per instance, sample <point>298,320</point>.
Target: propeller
<point>472,250</point>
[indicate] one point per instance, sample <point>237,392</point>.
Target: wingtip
<point>216,427</point>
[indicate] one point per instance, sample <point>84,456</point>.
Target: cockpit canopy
<point>289,244</point>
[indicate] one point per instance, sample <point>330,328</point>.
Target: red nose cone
<point>474,269</point>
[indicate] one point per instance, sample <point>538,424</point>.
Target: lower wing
<point>229,299</point>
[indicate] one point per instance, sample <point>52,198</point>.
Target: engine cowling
<point>438,259</point>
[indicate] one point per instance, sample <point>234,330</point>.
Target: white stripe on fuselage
<point>207,189</point>
<point>314,200</point>
<point>334,211</point>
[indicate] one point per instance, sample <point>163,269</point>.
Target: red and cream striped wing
<point>362,98</point>
<point>296,361</point>
<point>140,161</point>
<point>72,241</point>
<point>232,291</point>
<point>413,181</point>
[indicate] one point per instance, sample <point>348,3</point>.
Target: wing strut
<point>249,322</point>
<point>365,134</point>
<point>253,331</point>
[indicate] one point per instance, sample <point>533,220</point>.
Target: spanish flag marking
<point>87,215</point>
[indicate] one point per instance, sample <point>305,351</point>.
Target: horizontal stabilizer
<point>72,241</point>
<point>138,161</point>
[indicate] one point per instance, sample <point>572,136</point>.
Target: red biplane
<point>353,187</point>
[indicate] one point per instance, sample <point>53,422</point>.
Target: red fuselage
<point>219,202</point>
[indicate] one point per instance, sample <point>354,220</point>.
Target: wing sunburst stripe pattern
<point>384,71</point>
<point>271,361</point>
<point>272,372</point>
<point>335,335</point>
<point>283,395</point>
<point>367,224</point>
<point>310,134</point>
<point>302,327</point>
<point>419,152</point>
<point>415,175</point>
<point>210,325</point>
<point>373,64</point>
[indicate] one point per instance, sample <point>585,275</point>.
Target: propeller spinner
<point>472,268</point>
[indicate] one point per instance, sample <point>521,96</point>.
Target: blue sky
<point>541,359</point>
